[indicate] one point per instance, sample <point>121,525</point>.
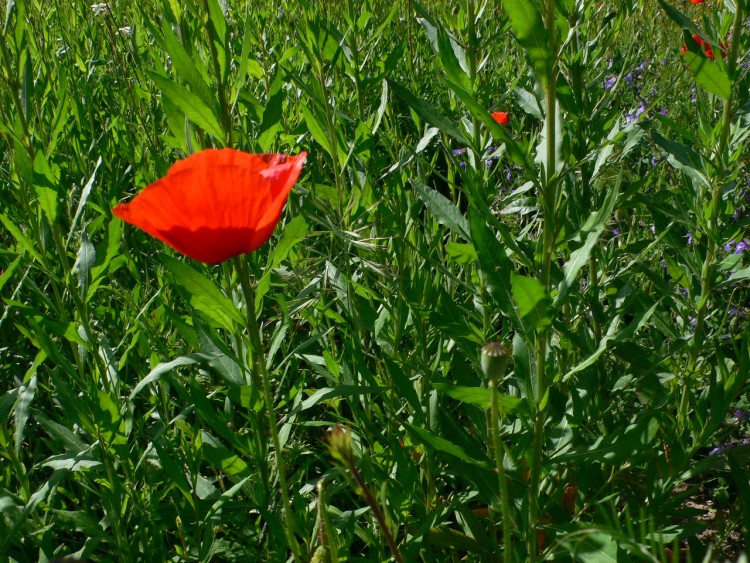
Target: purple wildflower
<point>610,82</point>
<point>741,247</point>
<point>631,117</point>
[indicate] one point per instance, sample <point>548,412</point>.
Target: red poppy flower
<point>216,204</point>
<point>706,47</point>
<point>501,117</point>
<point>697,1</point>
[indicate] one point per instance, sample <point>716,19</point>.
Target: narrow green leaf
<point>194,108</point>
<point>21,414</point>
<point>708,74</point>
<point>482,397</point>
<point>204,295</point>
<point>443,209</point>
<point>426,111</point>
<point>622,444</point>
<point>590,232</point>
<point>316,129</point>
<point>678,17</point>
<point>47,198</point>
<point>165,367</point>
<point>496,268</point>
<point>532,301</point>
<point>85,192</point>
<point>293,233</point>
<point>443,445</point>
<point>22,239</point>
<point>528,26</point>
<point>185,66</point>
<point>84,262</point>
<point>271,123</point>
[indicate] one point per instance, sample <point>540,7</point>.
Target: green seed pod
<point>494,360</point>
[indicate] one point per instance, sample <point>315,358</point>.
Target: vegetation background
<point>601,235</point>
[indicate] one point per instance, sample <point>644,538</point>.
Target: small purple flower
<point>664,61</point>
<point>717,450</point>
<point>610,82</point>
<point>616,232</point>
<point>457,152</point>
<point>631,117</point>
<point>652,228</point>
<point>728,246</point>
<point>462,164</point>
<point>689,239</point>
<point>664,111</point>
<point>741,247</point>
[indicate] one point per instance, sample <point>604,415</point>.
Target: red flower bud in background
<point>216,204</point>
<point>707,48</point>
<point>501,117</point>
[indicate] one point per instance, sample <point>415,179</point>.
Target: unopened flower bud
<point>340,446</point>
<point>494,360</point>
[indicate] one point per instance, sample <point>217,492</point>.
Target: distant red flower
<point>216,204</point>
<point>697,1</point>
<point>501,117</point>
<point>706,47</point>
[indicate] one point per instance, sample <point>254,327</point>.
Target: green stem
<point>502,477</point>
<point>259,364</point>
<point>373,503</point>
<point>712,227</point>
<point>549,195</point>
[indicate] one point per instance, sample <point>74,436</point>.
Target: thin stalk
<point>259,364</point>
<point>549,195</point>
<point>373,503</point>
<point>471,57</point>
<point>707,272</point>
<point>502,477</point>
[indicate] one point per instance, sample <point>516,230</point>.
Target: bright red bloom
<point>706,47</point>
<point>501,117</point>
<point>697,1</point>
<point>216,204</point>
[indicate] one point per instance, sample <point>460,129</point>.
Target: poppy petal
<point>216,204</point>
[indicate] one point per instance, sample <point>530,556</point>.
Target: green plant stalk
<point>549,230</point>
<point>373,503</point>
<point>502,477</point>
<point>707,271</point>
<point>259,362</point>
<point>471,57</point>
<point>226,117</point>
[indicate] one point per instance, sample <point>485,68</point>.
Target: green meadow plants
<point>462,281</point>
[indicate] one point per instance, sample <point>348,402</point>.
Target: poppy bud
<point>494,360</point>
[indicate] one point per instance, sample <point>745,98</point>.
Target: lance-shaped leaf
<point>532,301</point>
<point>526,22</point>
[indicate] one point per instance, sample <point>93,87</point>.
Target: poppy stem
<point>259,364</point>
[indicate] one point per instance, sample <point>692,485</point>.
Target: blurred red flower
<point>501,117</point>
<point>706,47</point>
<point>697,1</point>
<point>216,204</point>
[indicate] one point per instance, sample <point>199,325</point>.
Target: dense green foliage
<point>601,235</point>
